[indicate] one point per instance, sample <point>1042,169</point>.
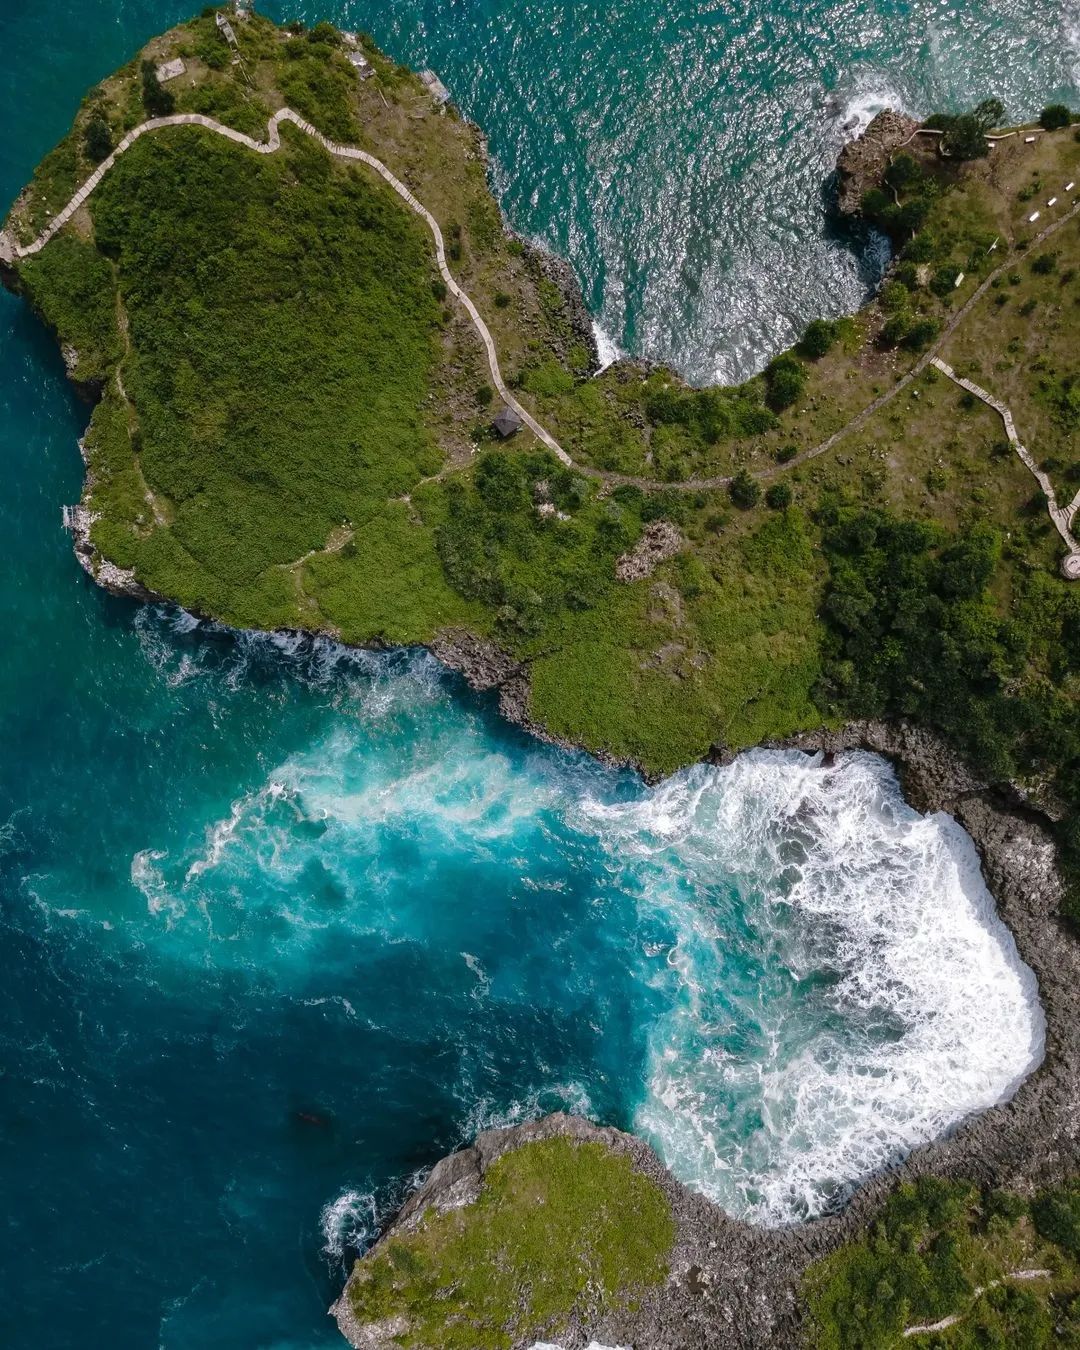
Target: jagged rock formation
<point>863,161</point>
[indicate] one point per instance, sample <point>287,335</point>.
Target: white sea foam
<point>891,1001</point>
<point>484,1114</point>
<point>348,1223</point>
<point>607,349</point>
<point>593,1345</point>
<point>1070,26</point>
<point>830,984</point>
<point>864,93</point>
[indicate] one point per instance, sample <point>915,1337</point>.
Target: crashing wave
<point>886,1001</point>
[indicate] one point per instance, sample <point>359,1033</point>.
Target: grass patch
<point>559,1228</point>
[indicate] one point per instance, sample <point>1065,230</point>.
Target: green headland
<point>293,429</point>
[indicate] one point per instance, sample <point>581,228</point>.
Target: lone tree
<point>819,337</point>
<point>744,492</point>
<point>1054,116</point>
<point>965,135</point>
<point>97,139</point>
<point>778,496</point>
<point>785,379</point>
<point>157,101</point>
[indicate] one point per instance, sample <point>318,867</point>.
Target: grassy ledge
<point>292,429</point>
<point>561,1230</point>
<point>293,426</point>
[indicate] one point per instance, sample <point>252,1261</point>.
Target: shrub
<point>1057,1218</point>
<point>921,249</point>
<point>785,379</point>
<point>744,491</point>
<point>965,136</point>
<point>944,280</point>
<point>786,453</point>
<point>157,101</point>
<point>911,217</point>
<point>97,139</point>
<point>1054,116</point>
<point>484,395</point>
<point>665,407</point>
<point>325,33</point>
<point>778,496</point>
<point>1044,264</point>
<point>904,171</point>
<point>819,337</point>
<point>896,327</point>
<point>921,333</point>
<point>501,300</point>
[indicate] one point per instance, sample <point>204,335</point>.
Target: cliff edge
<point>863,161</point>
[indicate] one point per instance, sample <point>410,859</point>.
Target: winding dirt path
<point>930,1328</point>
<point>704,484</point>
<point>10,250</point>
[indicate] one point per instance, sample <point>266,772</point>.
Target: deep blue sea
<point>280,924</point>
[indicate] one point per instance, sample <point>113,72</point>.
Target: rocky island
<point>275,267</point>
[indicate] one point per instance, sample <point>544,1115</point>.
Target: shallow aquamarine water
<point>283,924</point>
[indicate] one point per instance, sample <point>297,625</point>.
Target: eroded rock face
<point>718,1267</point>
<point>863,161</point>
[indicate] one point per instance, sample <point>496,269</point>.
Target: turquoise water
<point>282,924</point>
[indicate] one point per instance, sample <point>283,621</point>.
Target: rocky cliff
<point>863,161</point>
<point>730,1284</point>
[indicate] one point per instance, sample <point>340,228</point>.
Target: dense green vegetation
<point>934,1247</point>
<point>282,377</point>
<point>293,432</point>
<point>272,302</point>
<point>915,631</point>
<point>559,1227</point>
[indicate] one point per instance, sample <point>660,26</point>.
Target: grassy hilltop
<point>293,428</point>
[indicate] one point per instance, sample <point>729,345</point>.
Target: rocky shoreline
<point>733,1284</point>
<point>862,162</point>
<point>736,1285</point>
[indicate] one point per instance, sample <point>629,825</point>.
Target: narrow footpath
<point>10,250</point>
<point>1062,517</point>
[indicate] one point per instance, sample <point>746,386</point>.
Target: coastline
<point>752,1274</point>
<point>727,1271</point>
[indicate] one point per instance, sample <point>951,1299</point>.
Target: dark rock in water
<point>863,161</point>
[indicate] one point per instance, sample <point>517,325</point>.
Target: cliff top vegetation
<point>292,426</point>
